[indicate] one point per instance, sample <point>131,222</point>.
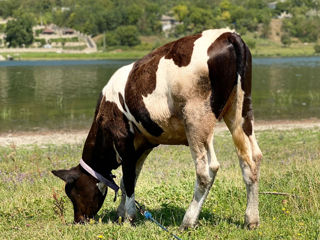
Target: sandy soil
<point>73,137</point>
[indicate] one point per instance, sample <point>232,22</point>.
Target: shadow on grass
<point>171,216</point>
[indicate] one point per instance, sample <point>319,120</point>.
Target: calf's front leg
<point>131,172</point>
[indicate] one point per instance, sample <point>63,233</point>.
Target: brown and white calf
<point>174,95</point>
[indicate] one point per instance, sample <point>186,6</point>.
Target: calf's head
<point>83,191</point>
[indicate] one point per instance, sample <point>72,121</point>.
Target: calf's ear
<point>69,176</point>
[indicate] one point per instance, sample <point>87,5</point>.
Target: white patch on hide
<point>116,85</point>
<point>118,157</point>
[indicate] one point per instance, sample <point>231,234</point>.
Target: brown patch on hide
<point>110,126</point>
<point>181,50</point>
<point>142,78</point>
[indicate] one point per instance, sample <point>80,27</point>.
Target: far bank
<point>260,49</point>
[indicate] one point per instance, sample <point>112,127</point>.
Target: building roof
<point>48,31</point>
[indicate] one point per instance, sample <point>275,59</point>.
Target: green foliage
<point>2,28</point>
<point>251,43</point>
<point>19,32</point>
<point>124,36</point>
<point>42,41</point>
<point>317,48</point>
<point>181,12</point>
<point>111,38</point>
<point>303,27</point>
<point>127,35</point>
<point>304,24</point>
<point>99,16</point>
<point>38,32</point>
<point>286,40</point>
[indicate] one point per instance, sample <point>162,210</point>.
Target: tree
<point>303,27</point>
<point>19,32</point>
<point>199,19</point>
<point>128,35</point>
<point>180,11</point>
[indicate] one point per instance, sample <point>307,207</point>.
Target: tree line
<point>127,19</point>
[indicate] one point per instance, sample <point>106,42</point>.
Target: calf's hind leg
<point>199,130</point>
<point>240,125</point>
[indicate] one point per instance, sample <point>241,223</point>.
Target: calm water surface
<point>38,95</point>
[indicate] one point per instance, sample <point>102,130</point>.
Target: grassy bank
<point>291,164</point>
<point>263,48</point>
<point>266,48</point>
<point>122,54</point>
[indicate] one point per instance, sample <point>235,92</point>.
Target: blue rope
<point>148,216</point>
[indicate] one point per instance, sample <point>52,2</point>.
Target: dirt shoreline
<point>78,136</point>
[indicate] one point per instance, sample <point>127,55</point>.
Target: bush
<point>38,32</point>
<point>286,40</point>
<point>42,41</point>
<point>317,48</point>
<point>128,35</point>
<point>123,36</point>
<point>2,28</point>
<point>251,43</point>
<point>111,39</point>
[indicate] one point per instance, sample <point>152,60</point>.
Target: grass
<point>263,48</point>
<point>268,48</point>
<point>120,54</point>
<point>277,50</point>
<point>291,164</point>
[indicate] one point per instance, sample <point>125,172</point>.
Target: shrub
<point>111,39</point>
<point>38,32</point>
<point>42,41</point>
<point>286,40</point>
<point>2,28</point>
<point>317,48</point>
<point>123,36</point>
<point>251,43</point>
<point>128,35</point>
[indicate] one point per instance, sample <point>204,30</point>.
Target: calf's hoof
<point>131,219</point>
<point>251,222</point>
<point>251,219</point>
<point>185,226</point>
<point>252,226</point>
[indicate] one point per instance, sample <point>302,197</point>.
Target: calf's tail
<point>229,64</point>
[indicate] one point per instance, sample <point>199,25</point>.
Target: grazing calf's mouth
<point>81,188</point>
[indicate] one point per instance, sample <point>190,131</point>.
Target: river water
<point>42,95</point>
